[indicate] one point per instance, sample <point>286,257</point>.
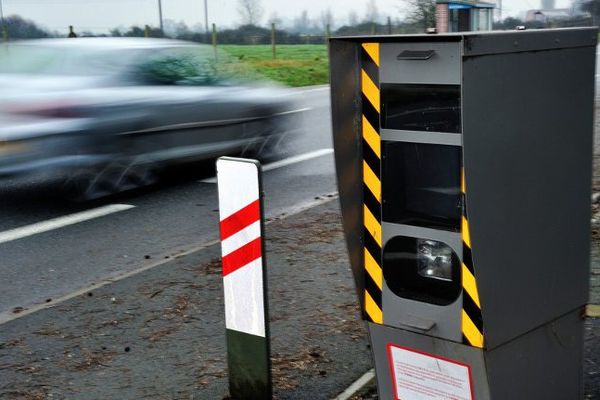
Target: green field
<point>295,65</point>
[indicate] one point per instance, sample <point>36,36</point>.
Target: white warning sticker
<point>421,376</point>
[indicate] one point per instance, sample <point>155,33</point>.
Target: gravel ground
<point>592,328</point>
<point>160,334</point>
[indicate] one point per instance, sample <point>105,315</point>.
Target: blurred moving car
<point>106,113</point>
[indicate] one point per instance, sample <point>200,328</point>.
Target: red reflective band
<point>242,256</point>
<point>240,219</point>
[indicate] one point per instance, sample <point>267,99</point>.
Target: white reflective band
<point>241,238</point>
<point>244,306</point>
<point>238,186</point>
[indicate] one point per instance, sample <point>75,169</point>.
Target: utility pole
<point>273,40</point>
<point>162,32</point>
<point>214,41</point>
<point>206,18</point>
<point>3,29</point>
<point>500,10</point>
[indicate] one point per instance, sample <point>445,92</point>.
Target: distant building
<point>546,16</point>
<point>464,15</point>
<point>578,7</point>
<point>548,4</point>
<point>548,13</point>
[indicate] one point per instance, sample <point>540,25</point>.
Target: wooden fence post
<point>214,40</point>
<point>273,40</point>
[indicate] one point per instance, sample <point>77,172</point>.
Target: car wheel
<point>137,173</point>
<point>112,178</point>
<point>269,145</point>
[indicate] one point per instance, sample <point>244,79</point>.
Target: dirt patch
<point>170,320</point>
<point>211,268</point>
<point>11,343</point>
<point>25,396</point>
<point>178,310</point>
<point>93,359</point>
<point>596,183</point>
<point>48,330</point>
<point>211,370</point>
<point>287,368</point>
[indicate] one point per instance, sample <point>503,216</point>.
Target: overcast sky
<point>102,15</point>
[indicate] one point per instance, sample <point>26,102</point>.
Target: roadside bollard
<point>244,278</point>
<point>464,171</point>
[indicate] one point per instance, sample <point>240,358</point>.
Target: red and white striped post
<point>244,278</point>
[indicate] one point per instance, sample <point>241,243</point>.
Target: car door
<point>193,111</point>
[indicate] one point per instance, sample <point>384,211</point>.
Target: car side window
<point>178,67</point>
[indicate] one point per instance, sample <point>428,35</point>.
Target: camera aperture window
<point>421,185</point>
<point>423,108</point>
<point>422,269</point>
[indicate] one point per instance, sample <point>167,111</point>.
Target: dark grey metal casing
<point>527,101</point>
<point>544,364</point>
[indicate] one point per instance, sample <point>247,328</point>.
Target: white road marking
<point>296,159</point>
<point>357,385</point>
<point>55,223</point>
<point>317,89</point>
<point>298,110</point>
<point>284,163</point>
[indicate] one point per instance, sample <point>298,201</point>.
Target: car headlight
<point>9,148</point>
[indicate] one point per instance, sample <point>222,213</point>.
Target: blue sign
<point>455,6</point>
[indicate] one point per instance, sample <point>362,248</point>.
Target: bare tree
<point>250,11</point>
<point>175,29</point>
<point>372,14</point>
<point>593,7</point>
<point>302,23</point>
<point>16,27</point>
<point>275,19</point>
<point>421,12</point>
<point>326,19</point>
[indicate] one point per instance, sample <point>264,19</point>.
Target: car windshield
<point>55,60</point>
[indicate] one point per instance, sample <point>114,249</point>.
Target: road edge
<point>8,316</point>
<point>357,385</point>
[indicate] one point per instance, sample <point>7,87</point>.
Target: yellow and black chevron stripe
<point>371,146</point>
<point>472,322</point>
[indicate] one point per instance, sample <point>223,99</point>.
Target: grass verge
<point>294,65</point>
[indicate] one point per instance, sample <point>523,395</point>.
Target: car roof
<point>107,43</point>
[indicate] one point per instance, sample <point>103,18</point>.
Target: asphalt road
<point>52,248</point>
